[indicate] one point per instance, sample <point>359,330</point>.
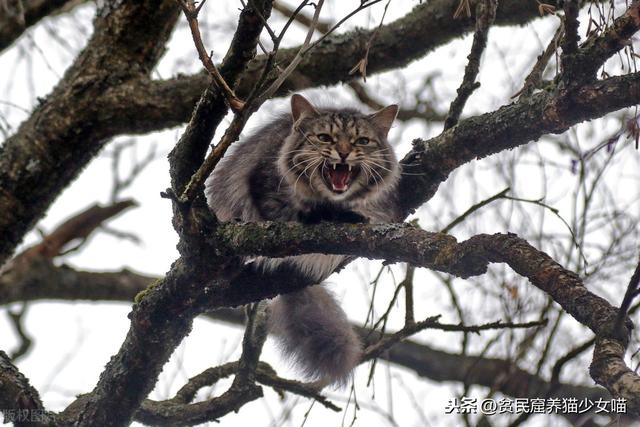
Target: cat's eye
<point>362,141</point>
<point>323,137</point>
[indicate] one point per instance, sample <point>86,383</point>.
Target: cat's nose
<point>343,155</point>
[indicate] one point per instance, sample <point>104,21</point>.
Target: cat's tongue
<point>340,178</point>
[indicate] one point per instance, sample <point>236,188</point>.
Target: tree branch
<point>18,398</point>
<point>188,154</point>
<point>397,44</point>
<point>88,106</point>
<point>571,37</point>
<point>62,134</point>
<point>191,13</point>
<point>485,15</point>
<point>598,48</point>
<point>64,283</point>
<point>430,161</point>
<point>16,16</point>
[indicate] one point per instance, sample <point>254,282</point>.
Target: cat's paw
<point>350,217</point>
<point>310,217</point>
<point>330,213</point>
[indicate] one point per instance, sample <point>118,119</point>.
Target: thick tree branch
<point>571,37</point>
<point>162,319</point>
<point>19,401</point>
<point>242,390</point>
<point>39,279</point>
<point>80,226</point>
<point>16,16</point>
<point>140,379</point>
<point>64,133</point>
<point>431,161</point>
<point>397,44</point>
<point>188,154</point>
<point>464,259</point>
<point>178,411</point>
<point>534,79</point>
<point>598,48</point>
<point>159,322</point>
<point>44,281</point>
<point>439,252</point>
<point>100,98</point>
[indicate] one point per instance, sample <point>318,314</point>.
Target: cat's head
<point>338,154</point>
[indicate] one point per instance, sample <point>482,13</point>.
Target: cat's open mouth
<point>339,176</point>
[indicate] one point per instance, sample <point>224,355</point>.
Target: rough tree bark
<point>108,91</point>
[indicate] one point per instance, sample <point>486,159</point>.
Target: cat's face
<point>338,155</point>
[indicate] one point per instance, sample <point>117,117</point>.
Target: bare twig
<point>17,318</point>
<point>321,26</point>
<point>556,212</point>
<point>190,151</point>
<point>254,337</point>
<point>235,128</point>
<point>363,5</point>
<point>267,376</point>
<point>374,350</point>
<point>407,283</point>
<point>403,113</point>
<point>361,66</point>
<point>264,374</point>
<point>359,90</point>
<point>485,15</point>
<point>534,78</point>
<point>501,195</point>
<point>464,8</point>
<point>120,184</point>
<point>191,11</point>
<point>268,93</point>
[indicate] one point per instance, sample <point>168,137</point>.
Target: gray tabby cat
<point>311,165</point>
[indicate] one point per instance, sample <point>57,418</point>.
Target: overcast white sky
<point>73,341</point>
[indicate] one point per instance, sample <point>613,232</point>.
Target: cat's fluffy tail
<point>315,335</point>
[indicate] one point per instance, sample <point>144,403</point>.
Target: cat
<point>311,165</point>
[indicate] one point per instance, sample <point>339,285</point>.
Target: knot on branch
<point>464,260</point>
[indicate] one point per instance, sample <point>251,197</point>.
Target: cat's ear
<point>300,106</point>
<point>384,118</point>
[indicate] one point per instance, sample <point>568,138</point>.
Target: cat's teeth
<point>334,166</point>
<point>349,168</point>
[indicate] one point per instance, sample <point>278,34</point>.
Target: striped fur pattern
<point>311,165</point>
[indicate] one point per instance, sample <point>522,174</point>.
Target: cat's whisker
<point>310,165</point>
<point>314,171</point>
<point>400,173</point>
<point>377,173</point>
<point>295,165</point>
<point>311,142</point>
<point>374,171</point>
<point>378,156</point>
<point>302,150</point>
<point>371,175</point>
<point>378,165</point>
<point>303,172</point>
<point>307,158</point>
<point>249,184</point>
<point>378,151</point>
<point>366,173</point>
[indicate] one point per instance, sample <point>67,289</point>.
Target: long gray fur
<point>268,177</point>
